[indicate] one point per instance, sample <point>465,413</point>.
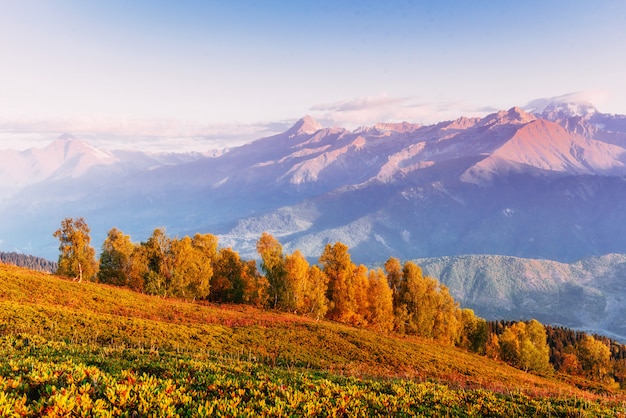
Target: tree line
<point>568,351</point>
<point>28,261</point>
<point>398,298</point>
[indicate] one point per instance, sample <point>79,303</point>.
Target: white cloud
<point>172,134</point>
<point>373,109</point>
<point>595,97</point>
<point>362,104</point>
<point>147,134</point>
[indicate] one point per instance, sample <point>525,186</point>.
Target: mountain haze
<point>589,294</point>
<point>541,185</point>
<point>527,186</point>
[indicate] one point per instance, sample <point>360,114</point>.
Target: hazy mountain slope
<point>588,294</point>
<point>510,183</point>
<point>65,157</point>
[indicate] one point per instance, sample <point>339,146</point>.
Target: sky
<point>197,75</point>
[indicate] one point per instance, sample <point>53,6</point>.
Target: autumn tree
<point>394,278</point>
<point>570,364</point>
<point>594,358</point>
<point>474,334</point>
<point>157,253</point>
<point>337,266</point>
<point>191,270</point>
<point>77,258</point>
<point>255,285</point>
<point>296,276</point>
<point>237,281</point>
<point>524,345</point>
<point>273,265</point>
<point>380,302</point>
<point>207,244</point>
<point>361,283</point>
<point>425,307</point>
<point>447,324</point>
<point>116,259</point>
<point>492,347</point>
<point>138,269</point>
<point>316,287</point>
<point>619,372</point>
<point>417,302</point>
<point>227,271</point>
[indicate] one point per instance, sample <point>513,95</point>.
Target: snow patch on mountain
<point>570,105</point>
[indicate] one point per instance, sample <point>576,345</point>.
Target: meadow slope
<point>47,319</point>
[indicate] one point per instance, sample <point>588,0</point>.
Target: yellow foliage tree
<point>594,358</point>
<point>157,254</point>
<point>361,296</point>
<point>394,278</point>
<point>296,277</point>
<point>191,270</point>
<point>315,300</point>
<point>207,244</point>
<point>338,267</point>
<point>473,335</point>
<point>524,345</point>
<point>116,259</point>
<point>418,302</point>
<point>425,307</point>
<point>77,258</point>
<point>380,302</point>
<point>447,324</point>
<point>273,265</point>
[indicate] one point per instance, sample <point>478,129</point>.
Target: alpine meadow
<point>181,327</point>
<point>312,209</point>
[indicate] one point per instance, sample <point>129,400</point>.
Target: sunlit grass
<point>209,350</point>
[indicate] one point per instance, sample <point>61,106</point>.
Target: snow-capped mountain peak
<point>572,113</point>
<point>570,105</point>
<point>571,109</point>
<point>305,126</point>
<point>68,146</point>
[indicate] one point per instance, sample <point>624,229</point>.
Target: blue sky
<point>203,74</point>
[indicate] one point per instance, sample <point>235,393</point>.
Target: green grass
<point>238,361</point>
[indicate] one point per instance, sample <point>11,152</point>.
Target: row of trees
<point>523,345</point>
<point>398,298</point>
<point>532,346</point>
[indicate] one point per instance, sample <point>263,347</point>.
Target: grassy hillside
<point>57,335</point>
